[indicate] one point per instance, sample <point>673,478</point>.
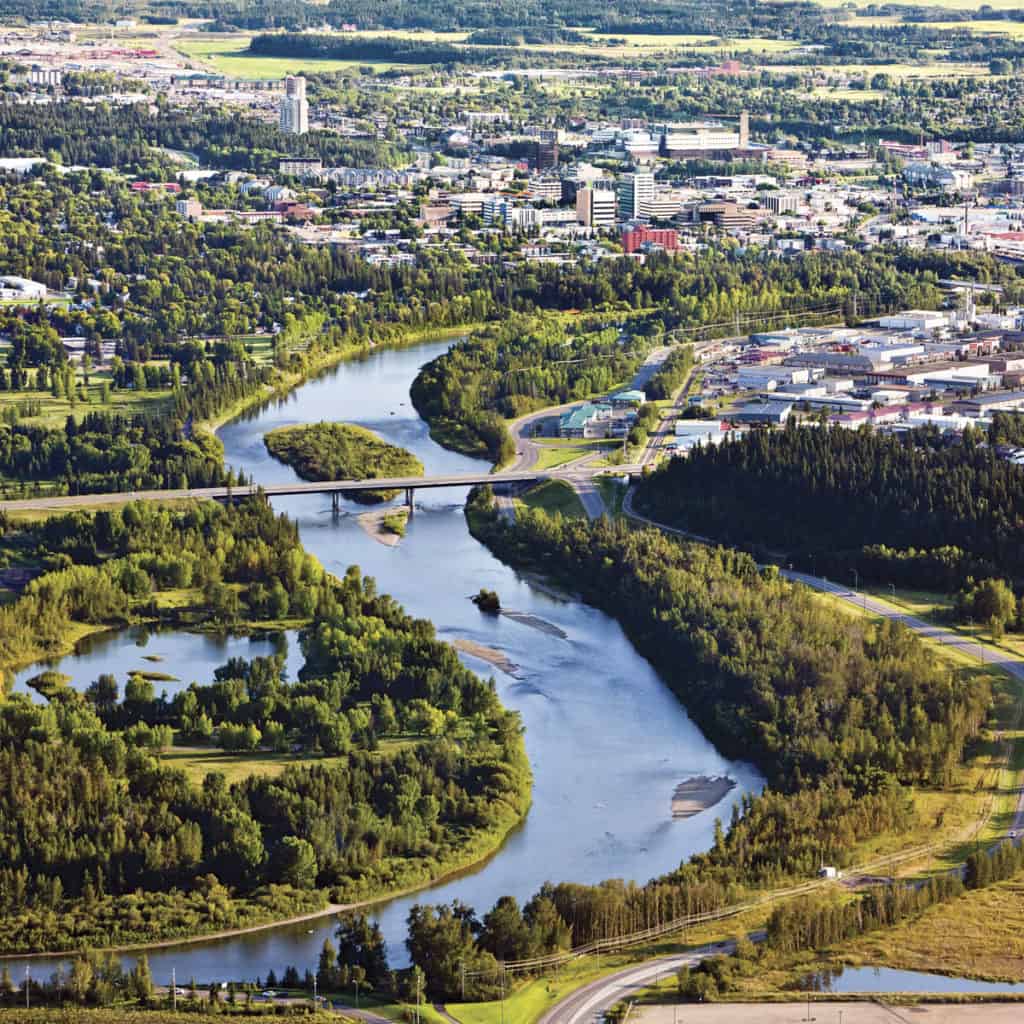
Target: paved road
<point>589,1004</point>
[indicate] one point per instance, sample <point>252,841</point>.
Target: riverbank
<point>287,381</point>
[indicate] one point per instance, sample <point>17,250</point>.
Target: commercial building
<point>595,208</point>
<point>300,167</point>
<point>547,150</point>
<point>994,401</point>
<point>634,238</point>
<point>779,202</point>
<point>923,320</point>
<point>723,214</point>
<point>763,413</point>
<point>21,288</point>
<point>190,209</point>
<point>548,190</point>
<point>586,421</point>
<point>635,191</point>
<point>770,377</point>
<point>45,78</point>
<point>294,106</point>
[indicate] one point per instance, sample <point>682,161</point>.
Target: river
<point>607,740</point>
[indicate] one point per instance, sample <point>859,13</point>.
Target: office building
<point>294,106</point>
<point>635,193</point>
<point>635,238</point>
<point>595,208</point>
<point>547,151</point>
<point>546,190</point>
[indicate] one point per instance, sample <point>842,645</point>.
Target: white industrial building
<point>915,320</point>
<point>21,288</point>
<point>770,377</point>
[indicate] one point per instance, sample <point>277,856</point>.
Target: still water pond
<point>889,979</point>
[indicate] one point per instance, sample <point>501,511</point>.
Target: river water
<point>607,740</point>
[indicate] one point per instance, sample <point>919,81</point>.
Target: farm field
<point>229,55</point>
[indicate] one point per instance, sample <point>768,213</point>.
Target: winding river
<point>607,740</point>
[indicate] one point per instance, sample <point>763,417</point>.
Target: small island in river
<point>341,451</point>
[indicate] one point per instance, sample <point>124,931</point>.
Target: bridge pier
<point>335,502</point>
<point>408,499</point>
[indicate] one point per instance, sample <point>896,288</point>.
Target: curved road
<point>589,1004</point>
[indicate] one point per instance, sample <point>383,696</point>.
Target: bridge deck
<point>397,483</point>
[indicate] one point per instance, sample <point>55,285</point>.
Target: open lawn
<point>197,762</point>
<point>559,454</point>
<point>605,44</point>
<point>553,496</point>
<point>982,27</point>
<point>229,55</point>
<point>53,412</point>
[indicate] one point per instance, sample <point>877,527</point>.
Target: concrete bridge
<point>335,488</point>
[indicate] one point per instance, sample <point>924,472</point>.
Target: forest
<point>129,137</point>
<point>908,510</point>
<point>841,716</point>
<point>412,765</point>
<point>507,370</point>
<point>341,451</point>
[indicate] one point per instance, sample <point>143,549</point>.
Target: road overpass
<point>336,488</point>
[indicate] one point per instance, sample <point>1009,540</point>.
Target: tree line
<point>140,852</point>
<point>909,510</point>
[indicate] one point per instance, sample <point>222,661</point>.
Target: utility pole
<point>462,974</point>
<point>503,992</point>
<point>314,990</point>
<point>28,985</point>
<point>174,989</point>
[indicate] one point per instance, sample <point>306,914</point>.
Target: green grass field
<point>229,55</point>
<point>553,496</point>
<point>929,69</point>
<point>55,411</point>
<point>559,454</point>
<point>197,762</point>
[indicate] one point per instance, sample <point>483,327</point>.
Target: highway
<point>397,483</point>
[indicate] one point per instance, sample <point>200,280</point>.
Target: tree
<point>141,980</point>
<point>295,863</point>
<point>361,943</point>
<point>327,968</point>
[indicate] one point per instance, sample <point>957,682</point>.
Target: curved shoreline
<point>313,915</point>
<point>212,425</point>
